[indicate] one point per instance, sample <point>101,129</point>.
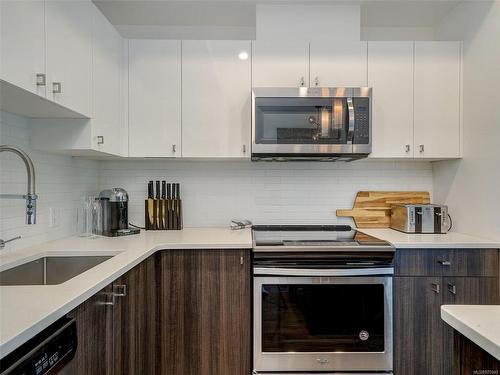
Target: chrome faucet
<point>30,195</point>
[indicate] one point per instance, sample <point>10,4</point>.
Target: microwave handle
<point>350,129</point>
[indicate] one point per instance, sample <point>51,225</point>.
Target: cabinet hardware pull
<point>444,263</point>
<point>244,149</point>
<point>241,260</point>
<point>452,289</point>
<point>56,87</point>
<point>100,139</point>
<point>316,81</point>
<point>421,148</point>
<point>120,290</point>
<point>174,148</point>
<point>41,79</point>
<point>107,302</point>
<point>436,288</point>
<point>302,82</point>
<point>407,148</point>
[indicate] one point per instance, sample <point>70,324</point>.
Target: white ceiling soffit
<point>402,13</point>
<point>236,18</point>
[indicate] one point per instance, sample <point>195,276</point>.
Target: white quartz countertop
<point>450,240</point>
<point>479,323</point>
<point>27,310</point>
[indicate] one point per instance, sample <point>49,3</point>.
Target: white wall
<point>471,187</point>
<point>61,181</point>
<point>397,33</point>
<point>215,192</point>
<point>307,22</point>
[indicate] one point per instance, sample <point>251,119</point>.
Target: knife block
<point>163,214</point>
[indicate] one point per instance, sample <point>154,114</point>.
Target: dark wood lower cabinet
<point>135,320</point>
<point>423,342</point>
<point>470,359</point>
<point>179,312</point>
<point>205,312</point>
<point>94,324</point>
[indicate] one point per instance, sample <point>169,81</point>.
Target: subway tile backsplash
<point>61,181</point>
<point>213,192</point>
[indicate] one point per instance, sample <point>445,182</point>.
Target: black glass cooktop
<point>312,235</point>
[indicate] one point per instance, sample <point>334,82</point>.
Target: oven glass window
<point>323,318</point>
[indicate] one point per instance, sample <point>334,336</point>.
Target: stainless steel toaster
<point>420,218</point>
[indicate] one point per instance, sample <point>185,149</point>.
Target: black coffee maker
<point>113,213</point>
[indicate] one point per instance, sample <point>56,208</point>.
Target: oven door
<point>323,322</point>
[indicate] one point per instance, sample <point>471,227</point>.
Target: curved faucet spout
<point>30,196</point>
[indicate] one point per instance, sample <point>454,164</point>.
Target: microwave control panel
<point>361,121</point>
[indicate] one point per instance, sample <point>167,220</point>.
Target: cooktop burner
<point>314,236</point>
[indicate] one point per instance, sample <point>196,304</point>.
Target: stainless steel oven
<point>323,310</point>
<point>311,123</point>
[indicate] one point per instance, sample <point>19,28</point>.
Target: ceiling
<point>130,15</point>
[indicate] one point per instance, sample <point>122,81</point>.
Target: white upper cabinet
<point>107,62</point>
<point>216,98</point>
<point>390,74</point>
<point>22,44</point>
<point>69,54</point>
<point>338,64</point>
<point>437,99</point>
<point>155,98</point>
<point>280,64</point>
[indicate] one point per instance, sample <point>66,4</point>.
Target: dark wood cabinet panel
<point>417,326</point>
<point>470,359</point>
<point>135,320</point>
<point>423,342</point>
<point>464,291</point>
<point>472,263</point>
<point>205,312</point>
<point>94,354</point>
<point>447,262</point>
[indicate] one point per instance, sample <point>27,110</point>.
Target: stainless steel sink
<point>49,270</point>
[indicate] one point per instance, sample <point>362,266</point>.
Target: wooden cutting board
<point>372,209</point>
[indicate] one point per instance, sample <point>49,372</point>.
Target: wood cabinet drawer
<point>446,262</point>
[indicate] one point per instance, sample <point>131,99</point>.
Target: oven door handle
<point>322,272</point>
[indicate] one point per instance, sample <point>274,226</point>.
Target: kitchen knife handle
<point>158,192</point>
<point>150,190</point>
<point>163,189</point>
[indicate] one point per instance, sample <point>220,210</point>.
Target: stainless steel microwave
<point>311,123</point>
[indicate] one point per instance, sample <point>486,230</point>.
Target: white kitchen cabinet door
<point>338,64</point>
<point>69,54</point>
<point>108,132</point>
<point>216,98</point>
<point>390,75</point>
<point>437,99</point>
<point>280,64</point>
<point>22,43</point>
<point>155,98</point>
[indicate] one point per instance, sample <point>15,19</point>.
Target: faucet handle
<point>2,242</point>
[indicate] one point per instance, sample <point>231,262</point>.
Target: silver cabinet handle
<point>109,299</point>
<point>2,242</point>
<point>100,139</point>
<point>444,263</point>
<point>56,87</point>
<point>302,81</point>
<point>316,81</point>
<point>350,131</point>
<point>120,290</point>
<point>421,148</point>
<point>174,149</point>
<point>244,149</point>
<point>436,288</point>
<point>452,289</point>
<point>41,79</point>
<point>407,148</point>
